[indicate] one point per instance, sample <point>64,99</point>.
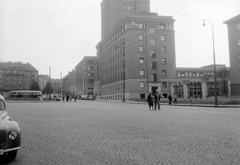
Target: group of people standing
<point>154,100</point>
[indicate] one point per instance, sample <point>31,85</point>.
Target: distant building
<point>56,85</point>
<point>42,81</point>
<point>137,51</point>
<point>199,82</point>
<point>69,83</point>
<point>85,76</point>
<point>16,76</point>
<point>234,54</point>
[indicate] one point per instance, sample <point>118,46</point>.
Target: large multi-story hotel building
<point>16,76</point>
<point>234,54</point>
<point>136,54</point>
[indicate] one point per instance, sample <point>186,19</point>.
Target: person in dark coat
<point>150,101</point>
<point>157,100</point>
<point>170,99</point>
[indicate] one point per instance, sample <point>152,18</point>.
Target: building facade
<point>68,84</point>
<point>199,82</point>
<point>16,76</point>
<point>57,86</point>
<point>42,81</point>
<point>233,25</point>
<point>86,75</point>
<point>137,54</point>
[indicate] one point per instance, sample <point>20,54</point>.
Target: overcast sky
<point>59,33</point>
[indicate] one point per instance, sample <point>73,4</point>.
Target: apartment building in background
<point>68,86</point>
<point>16,76</point>
<point>57,86</point>
<point>85,76</point>
<point>42,81</point>
<point>136,54</point>
<point>233,25</point>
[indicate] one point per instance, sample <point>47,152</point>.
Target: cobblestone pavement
<point>107,133</point>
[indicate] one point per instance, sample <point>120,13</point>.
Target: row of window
<point>190,74</point>
<point>13,87</point>
<point>14,82</point>
<point>202,74</point>
<point>163,49</point>
<point>152,40</point>
<point>14,76</point>
<point>115,87</point>
<point>17,72</point>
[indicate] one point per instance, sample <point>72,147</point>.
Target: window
<point>164,73</point>
<point>163,49</point>
<point>154,77</point>
<point>141,72</point>
<point>140,37</point>
<point>141,60</point>
<point>239,42</point>
<point>142,84</point>
<point>162,26</point>
<point>238,26</point>
<point>90,68</point>
<point>152,30</point>
<point>90,74</point>
<point>152,42</point>
<point>142,96</point>
<point>178,74</point>
<point>153,54</point>
<point>164,84</point>
<point>163,38</point>
<point>141,48</point>
<point>153,65</point>
<point>164,61</point>
<point>140,25</point>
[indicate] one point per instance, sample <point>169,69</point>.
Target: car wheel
<point>12,155</point>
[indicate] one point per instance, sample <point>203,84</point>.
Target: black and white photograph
<point>119,82</point>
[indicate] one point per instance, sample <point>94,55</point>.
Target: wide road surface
<point>109,133</point>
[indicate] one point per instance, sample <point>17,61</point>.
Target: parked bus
<point>24,93</point>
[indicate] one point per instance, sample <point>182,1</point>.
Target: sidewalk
<point>179,104</point>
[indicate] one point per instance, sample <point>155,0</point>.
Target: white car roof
<point>2,98</point>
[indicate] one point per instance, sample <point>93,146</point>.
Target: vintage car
<point>10,133</point>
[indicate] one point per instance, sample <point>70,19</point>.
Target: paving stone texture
<point>109,133</point>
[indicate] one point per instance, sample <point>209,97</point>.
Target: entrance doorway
<point>154,89</point>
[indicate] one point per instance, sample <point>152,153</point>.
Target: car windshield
<point>2,105</point>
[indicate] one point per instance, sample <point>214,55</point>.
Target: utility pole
<point>50,82</point>
<point>61,85</point>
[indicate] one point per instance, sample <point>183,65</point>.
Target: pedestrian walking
<point>175,99</point>
<point>150,101</point>
<point>190,99</point>
<point>157,100</point>
<point>170,99</point>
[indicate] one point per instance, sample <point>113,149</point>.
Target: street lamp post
<point>123,78</point>
<point>214,63</point>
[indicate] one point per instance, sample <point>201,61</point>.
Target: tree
<point>48,88</point>
<point>35,86</point>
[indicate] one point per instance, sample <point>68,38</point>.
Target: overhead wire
<point>167,18</point>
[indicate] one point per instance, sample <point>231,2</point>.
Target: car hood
<point>3,119</point>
